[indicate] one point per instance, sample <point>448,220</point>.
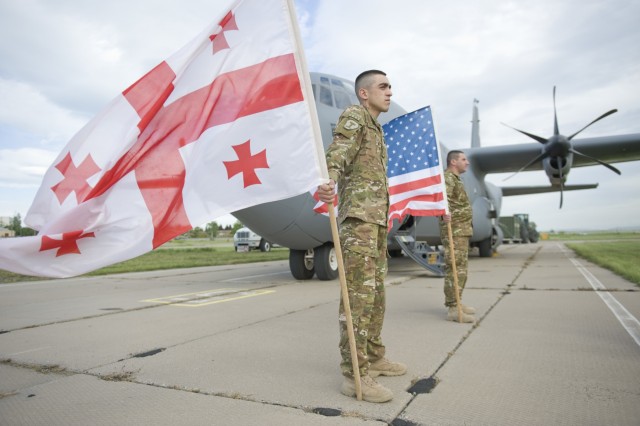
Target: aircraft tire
<point>301,264</point>
<point>485,247</point>
<point>326,262</point>
<point>395,253</point>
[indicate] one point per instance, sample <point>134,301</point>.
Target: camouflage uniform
<point>461,229</point>
<point>357,161</point>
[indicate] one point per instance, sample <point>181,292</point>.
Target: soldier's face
<point>461,163</point>
<point>378,95</point>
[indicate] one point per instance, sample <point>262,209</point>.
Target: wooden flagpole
<point>345,302</point>
<point>301,62</point>
<point>452,254</point>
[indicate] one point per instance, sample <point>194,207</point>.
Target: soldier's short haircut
<point>364,80</point>
<point>453,155</point>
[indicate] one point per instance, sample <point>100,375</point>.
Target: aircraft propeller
<point>558,147</point>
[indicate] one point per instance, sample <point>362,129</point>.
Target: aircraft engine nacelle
<point>290,223</point>
<point>557,168</point>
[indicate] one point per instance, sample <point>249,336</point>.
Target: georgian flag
<point>225,123</point>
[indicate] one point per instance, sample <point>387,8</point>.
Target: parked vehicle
<point>245,240</point>
<point>518,229</point>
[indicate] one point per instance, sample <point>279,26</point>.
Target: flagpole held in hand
<point>345,301</point>
<point>452,254</point>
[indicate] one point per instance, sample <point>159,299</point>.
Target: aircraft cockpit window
<point>336,83</point>
<point>324,80</point>
<point>325,96</point>
<point>342,99</point>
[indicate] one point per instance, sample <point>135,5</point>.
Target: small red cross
<point>218,40</point>
<point>67,245</point>
<point>247,164</point>
<point>75,178</point>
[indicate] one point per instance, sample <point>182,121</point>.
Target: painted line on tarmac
<point>30,351</point>
<point>628,321</point>
<point>246,277</point>
<point>208,297</point>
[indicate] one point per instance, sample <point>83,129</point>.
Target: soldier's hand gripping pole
<point>345,302</point>
<point>452,255</point>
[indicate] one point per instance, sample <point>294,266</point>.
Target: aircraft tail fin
<point>475,125</point>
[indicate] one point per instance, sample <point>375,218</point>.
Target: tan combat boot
<point>385,367</point>
<point>372,391</point>
<point>452,315</point>
<point>468,309</point>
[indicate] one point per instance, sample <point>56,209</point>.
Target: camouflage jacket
<point>459,207</point>
<point>357,162</point>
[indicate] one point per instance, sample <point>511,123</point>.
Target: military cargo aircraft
<point>294,224</point>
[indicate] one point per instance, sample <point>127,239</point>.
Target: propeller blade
<point>556,131</point>
<point>609,166</point>
<point>561,191</point>
<point>561,181</point>
<point>597,119</point>
<point>538,158</point>
<point>532,136</point>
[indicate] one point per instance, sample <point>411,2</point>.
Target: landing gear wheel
<point>485,247</point>
<point>395,253</point>
<point>326,262</point>
<point>301,264</point>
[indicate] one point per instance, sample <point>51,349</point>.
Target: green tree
<point>16,224</point>
<point>212,230</point>
<point>27,232</point>
<point>235,227</point>
<point>197,232</point>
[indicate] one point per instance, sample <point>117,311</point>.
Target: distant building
<point>6,233</point>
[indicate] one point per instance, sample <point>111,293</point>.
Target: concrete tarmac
<point>250,345</point>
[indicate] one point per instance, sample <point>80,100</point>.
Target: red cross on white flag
<point>225,123</point>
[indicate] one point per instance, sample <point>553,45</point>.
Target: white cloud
<point>25,108</point>
<point>24,167</point>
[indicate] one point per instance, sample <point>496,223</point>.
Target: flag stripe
<point>148,94</point>
<point>431,198</point>
<point>416,184</point>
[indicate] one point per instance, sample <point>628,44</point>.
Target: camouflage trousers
<point>461,249</point>
<point>364,247</point>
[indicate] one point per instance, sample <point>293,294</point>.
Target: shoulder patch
<point>351,125</point>
<point>350,122</point>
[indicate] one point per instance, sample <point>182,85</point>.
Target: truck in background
<point>518,229</point>
<point>245,240</point>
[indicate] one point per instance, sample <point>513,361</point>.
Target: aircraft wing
<point>524,190</point>
<point>511,158</point>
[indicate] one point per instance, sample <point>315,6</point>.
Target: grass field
<point>591,236</point>
<point>621,257</point>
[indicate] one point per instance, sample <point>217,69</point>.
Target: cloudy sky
<point>62,61</point>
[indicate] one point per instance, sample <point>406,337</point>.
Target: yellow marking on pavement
<point>208,297</point>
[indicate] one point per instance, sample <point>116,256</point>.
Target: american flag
<point>416,185</point>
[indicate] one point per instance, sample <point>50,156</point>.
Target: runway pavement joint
<point>38,368</point>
